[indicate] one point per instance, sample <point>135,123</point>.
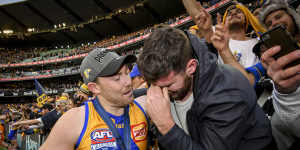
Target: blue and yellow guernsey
<point>96,134</point>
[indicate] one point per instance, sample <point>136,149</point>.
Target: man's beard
<point>181,93</point>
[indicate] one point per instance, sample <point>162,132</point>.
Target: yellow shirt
<point>97,135</point>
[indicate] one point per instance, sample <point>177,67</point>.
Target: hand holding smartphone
<point>279,36</point>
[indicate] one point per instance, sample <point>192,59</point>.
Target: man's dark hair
<point>166,49</point>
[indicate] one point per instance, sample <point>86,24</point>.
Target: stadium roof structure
<point>27,18</point>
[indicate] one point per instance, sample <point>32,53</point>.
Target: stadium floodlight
<point>30,29</point>
<point>8,31</point>
<point>8,2</point>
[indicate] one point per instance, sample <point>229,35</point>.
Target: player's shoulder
<point>77,113</point>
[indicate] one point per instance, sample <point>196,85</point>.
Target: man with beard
<point>113,119</point>
<point>196,103</point>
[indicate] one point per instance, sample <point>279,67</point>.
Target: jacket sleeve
<point>221,127</point>
<point>287,105</point>
<point>212,48</point>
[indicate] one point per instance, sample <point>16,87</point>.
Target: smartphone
<point>279,36</point>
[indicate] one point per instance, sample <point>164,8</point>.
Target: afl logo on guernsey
<point>101,138</point>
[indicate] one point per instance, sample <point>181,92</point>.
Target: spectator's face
<point>178,84</point>
<point>61,105</point>
<point>116,89</point>
<point>280,17</point>
<point>44,111</point>
<point>235,16</point>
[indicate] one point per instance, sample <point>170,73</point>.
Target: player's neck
<point>111,108</point>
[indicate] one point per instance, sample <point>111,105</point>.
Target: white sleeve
<point>36,126</point>
<point>41,124</point>
<point>295,96</point>
<point>287,106</point>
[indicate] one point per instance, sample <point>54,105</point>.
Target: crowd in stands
<point>27,119</point>
<point>11,56</point>
<point>132,51</point>
<point>19,120</point>
<point>36,54</point>
<point>55,86</point>
<point>54,69</point>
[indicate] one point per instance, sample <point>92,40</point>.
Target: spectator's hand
<point>286,80</point>
<point>201,18</point>
<point>192,7</point>
<point>158,108</point>
<point>220,38</point>
<point>204,22</point>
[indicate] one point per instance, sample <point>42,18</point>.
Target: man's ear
<point>92,86</point>
<point>191,67</point>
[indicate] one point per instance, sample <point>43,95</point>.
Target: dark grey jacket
<point>224,115</point>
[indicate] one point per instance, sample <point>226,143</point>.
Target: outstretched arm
<point>201,18</point>
<point>26,122</point>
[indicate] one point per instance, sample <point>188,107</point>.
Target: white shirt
<point>179,110</point>
<point>242,51</point>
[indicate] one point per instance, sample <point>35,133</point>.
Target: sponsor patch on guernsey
<point>139,132</point>
<point>103,139</point>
